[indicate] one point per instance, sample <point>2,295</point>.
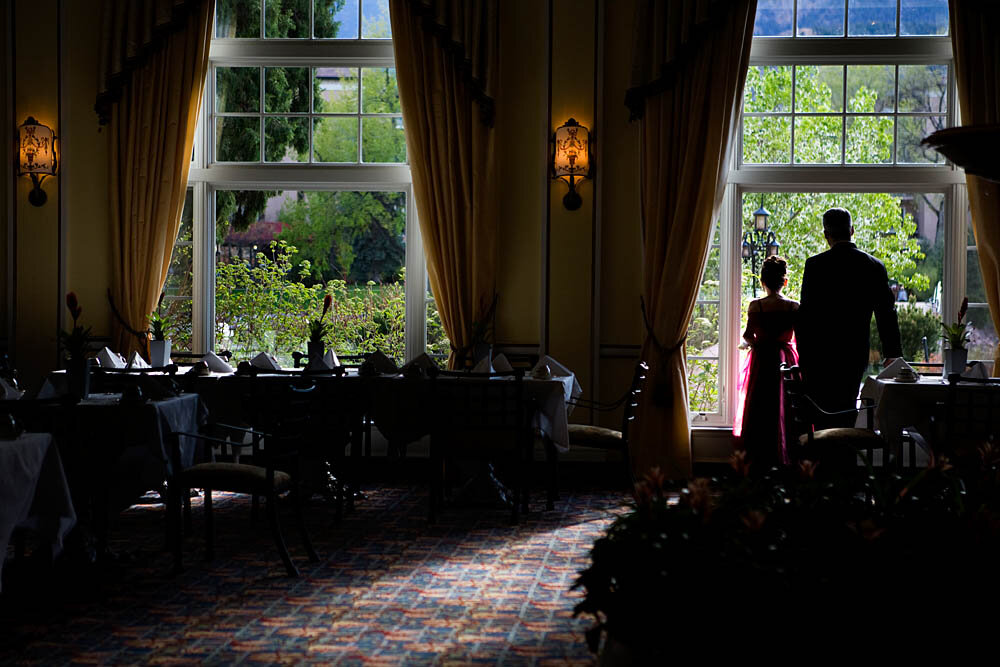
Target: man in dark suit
<point>841,288</point>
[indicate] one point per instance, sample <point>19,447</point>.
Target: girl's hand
<point>745,345</point>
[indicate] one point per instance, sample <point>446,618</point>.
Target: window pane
<point>237,19</point>
<point>774,18</point>
<point>767,140</point>
<point>237,139</point>
<point>177,290</point>
<point>703,385</point>
<point>984,340</point>
<point>286,19</point>
<point>819,88</point>
<point>379,93</point>
<point>817,139</point>
<point>382,140</point>
<point>911,131</point>
<point>904,231</point>
<point>871,88</point>
<point>923,88</point>
<point>871,17</point>
<point>338,90</point>
<point>820,18</point>
<point>375,20</point>
<point>923,17</point>
<point>281,252</point>
<point>336,20</point>
<point>286,89</point>
<point>768,88</point>
<point>237,89</point>
<point>437,345</point>
<point>335,140</point>
<point>286,139</point>
<point>869,140</point>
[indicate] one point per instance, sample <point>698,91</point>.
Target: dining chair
<point>599,437</point>
<point>483,416</point>
<point>968,417</point>
<point>837,447</point>
<point>279,437</point>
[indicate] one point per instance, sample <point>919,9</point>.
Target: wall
<point>579,270</point>
<point>63,245</point>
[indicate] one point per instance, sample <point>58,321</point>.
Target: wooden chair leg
<point>279,541</point>
<point>209,527</point>
<point>297,506</point>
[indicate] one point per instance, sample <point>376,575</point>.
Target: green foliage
<point>915,324</point>
<point>269,308</point>
<point>354,236</point>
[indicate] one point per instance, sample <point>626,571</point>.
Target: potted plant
<point>317,332</point>
<point>159,346</point>
<point>956,335</point>
<point>74,343</point>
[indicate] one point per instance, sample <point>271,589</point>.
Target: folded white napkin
<point>485,365</point>
<point>976,370</point>
<point>216,364</point>
<point>137,361</point>
<point>109,359</point>
<point>382,363</point>
<point>266,362</point>
<point>422,360</point>
<point>892,370</point>
<point>328,362</point>
<point>500,364</point>
<point>7,391</point>
<point>48,390</point>
<point>558,370</point>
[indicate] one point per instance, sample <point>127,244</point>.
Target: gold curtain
<point>446,67</point>
<point>151,134</point>
<point>690,66</point>
<point>976,47</point>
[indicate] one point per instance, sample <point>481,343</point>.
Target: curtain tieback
<point>651,335</point>
<point>141,335</point>
<point>662,394</point>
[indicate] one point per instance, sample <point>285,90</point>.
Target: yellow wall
<point>63,245</point>
<point>580,269</point>
<point>36,93</point>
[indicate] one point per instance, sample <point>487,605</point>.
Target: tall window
<point>299,188</point>
<point>839,94</point>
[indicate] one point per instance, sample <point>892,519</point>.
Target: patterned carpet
<point>389,590</point>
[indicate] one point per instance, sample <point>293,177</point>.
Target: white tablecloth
<point>902,405</point>
<point>33,491</point>
<point>552,417</point>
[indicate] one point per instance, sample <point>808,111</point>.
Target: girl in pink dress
<point>760,419</point>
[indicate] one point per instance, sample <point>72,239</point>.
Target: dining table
<point>34,493</point>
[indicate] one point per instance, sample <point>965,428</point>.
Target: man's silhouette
<point>841,288</point>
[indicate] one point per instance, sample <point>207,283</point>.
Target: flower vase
<point>955,360</point>
<point>159,353</point>
<point>315,352</point>
<point>78,374</point>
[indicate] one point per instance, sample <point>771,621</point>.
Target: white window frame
<point>207,176</point>
<point>944,178</point>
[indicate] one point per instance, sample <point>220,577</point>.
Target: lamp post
<point>759,244</point>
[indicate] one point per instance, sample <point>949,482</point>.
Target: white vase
<point>159,353</point>
<point>955,360</point>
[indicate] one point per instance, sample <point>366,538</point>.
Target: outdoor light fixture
<point>571,159</point>
<point>36,156</point>
<point>759,242</point>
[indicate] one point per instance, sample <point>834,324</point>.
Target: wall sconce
<point>36,156</point>
<point>571,159</point>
